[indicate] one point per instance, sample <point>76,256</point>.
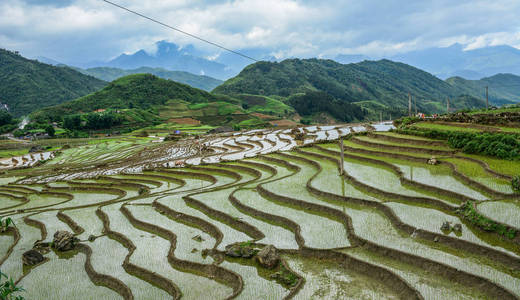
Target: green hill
<point>28,85</point>
<point>197,81</point>
<point>366,83</point>
<point>139,91</point>
<point>141,100</point>
<point>503,88</point>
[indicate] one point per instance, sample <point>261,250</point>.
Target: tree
<point>72,122</point>
<point>18,133</point>
<point>50,130</point>
<point>5,117</point>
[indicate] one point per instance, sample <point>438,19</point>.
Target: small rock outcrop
<point>32,257</point>
<point>240,250</point>
<point>64,241</point>
<point>268,257</point>
<point>457,228</point>
<point>42,247</point>
<point>433,161</point>
<point>446,226</point>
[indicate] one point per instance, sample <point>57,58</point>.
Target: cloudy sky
<point>86,30</point>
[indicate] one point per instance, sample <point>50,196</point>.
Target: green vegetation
<point>138,101</point>
<point>384,82</point>
<point>264,105</point>
<point>8,288</point>
<point>5,223</point>
<point>140,91</point>
<point>443,127</point>
<point>503,88</point>
<point>504,146</point>
<point>197,81</point>
<point>515,183</point>
<point>28,85</point>
<point>7,122</point>
<point>468,212</point>
<point>316,102</point>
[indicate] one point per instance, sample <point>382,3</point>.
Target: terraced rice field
<point>150,231</point>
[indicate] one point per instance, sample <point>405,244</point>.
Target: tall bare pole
<point>341,156</point>
<point>487,99</point>
<point>381,116</point>
<point>415,103</point>
<point>409,104</point>
<point>448,105</point>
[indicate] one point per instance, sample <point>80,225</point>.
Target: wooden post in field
<point>409,104</point>
<point>448,105</point>
<point>381,116</point>
<point>341,156</point>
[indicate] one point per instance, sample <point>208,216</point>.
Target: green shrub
<point>501,145</point>
<point>515,183</point>
<point>8,288</point>
<point>468,212</point>
<point>5,223</point>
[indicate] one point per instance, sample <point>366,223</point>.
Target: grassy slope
<point>28,85</point>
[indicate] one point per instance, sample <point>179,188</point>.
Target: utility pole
<point>487,99</point>
<point>341,156</point>
<point>409,104</point>
<point>448,105</point>
<point>381,116</point>
<point>415,103</point>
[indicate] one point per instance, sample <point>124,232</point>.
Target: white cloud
<point>83,30</point>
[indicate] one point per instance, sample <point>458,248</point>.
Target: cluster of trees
<point>92,121</point>
<point>316,102</point>
<point>7,121</point>
<point>501,145</point>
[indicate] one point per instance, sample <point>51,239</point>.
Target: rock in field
<point>446,226</point>
<point>268,257</point>
<point>240,250</point>
<point>457,228</point>
<point>32,257</point>
<point>64,241</point>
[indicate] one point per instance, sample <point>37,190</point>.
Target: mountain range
<point>443,62</point>
<point>198,81</point>
<point>471,64</point>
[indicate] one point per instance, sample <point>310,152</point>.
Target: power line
<point>181,31</point>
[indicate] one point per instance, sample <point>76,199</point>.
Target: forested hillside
<point>28,85</point>
<point>384,83</point>
<point>139,91</point>
<point>503,88</point>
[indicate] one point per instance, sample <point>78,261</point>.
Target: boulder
<point>32,257</point>
<point>240,250</point>
<point>233,250</point>
<point>457,228</point>
<point>446,226</point>
<point>64,241</point>
<point>268,257</point>
<point>42,247</point>
<point>433,161</point>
